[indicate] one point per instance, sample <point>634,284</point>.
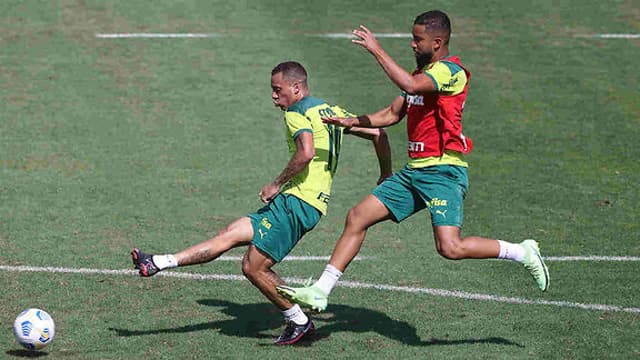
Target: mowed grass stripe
<point>348,284</point>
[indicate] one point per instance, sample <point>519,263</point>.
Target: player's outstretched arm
<point>380,142</point>
<point>388,116</point>
<point>305,151</point>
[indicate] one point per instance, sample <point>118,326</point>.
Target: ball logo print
<point>34,329</point>
<point>44,337</point>
<point>27,326</point>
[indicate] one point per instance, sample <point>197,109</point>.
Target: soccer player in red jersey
<point>435,177</point>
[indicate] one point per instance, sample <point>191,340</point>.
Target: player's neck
<point>442,54</point>
<point>300,97</point>
<point>303,94</point>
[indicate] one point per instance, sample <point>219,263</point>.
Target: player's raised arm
<point>388,116</point>
<point>411,83</point>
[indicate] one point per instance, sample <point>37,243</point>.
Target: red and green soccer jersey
<point>434,120</point>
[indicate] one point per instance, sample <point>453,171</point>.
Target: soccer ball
<point>34,329</point>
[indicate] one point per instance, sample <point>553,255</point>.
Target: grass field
<point>160,142</point>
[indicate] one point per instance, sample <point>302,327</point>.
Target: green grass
<point>107,144</point>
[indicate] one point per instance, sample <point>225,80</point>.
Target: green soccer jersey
<point>313,185</point>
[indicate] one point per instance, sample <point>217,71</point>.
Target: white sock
<point>295,314</point>
<point>328,279</point>
<point>511,251</point>
<point>165,261</point>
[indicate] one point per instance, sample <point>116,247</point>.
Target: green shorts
<point>441,188</point>
<point>279,225</point>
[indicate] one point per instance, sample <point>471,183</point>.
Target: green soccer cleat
<point>310,296</point>
<point>533,262</point>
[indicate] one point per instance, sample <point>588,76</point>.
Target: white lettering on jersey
<point>416,146</point>
<point>415,99</point>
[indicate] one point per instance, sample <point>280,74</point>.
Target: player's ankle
<point>328,279</point>
<point>167,261</point>
<point>511,251</point>
<point>295,314</point>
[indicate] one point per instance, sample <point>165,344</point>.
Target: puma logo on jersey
<point>443,213</point>
<point>450,84</point>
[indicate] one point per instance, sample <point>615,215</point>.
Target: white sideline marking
<point>351,36</point>
<point>487,297</point>
<point>409,35</point>
<point>156,35</point>
<point>591,258</point>
<point>327,35</point>
<point>610,36</point>
<point>350,284</point>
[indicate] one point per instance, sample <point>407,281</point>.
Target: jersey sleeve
<point>448,77</point>
<point>297,123</point>
<point>341,112</point>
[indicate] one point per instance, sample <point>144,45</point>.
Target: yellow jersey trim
<point>448,158</point>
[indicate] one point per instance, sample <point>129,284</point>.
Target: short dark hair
<point>435,21</point>
<point>292,71</point>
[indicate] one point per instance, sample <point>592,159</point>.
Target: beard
<point>423,59</point>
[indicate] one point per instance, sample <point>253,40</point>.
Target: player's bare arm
<point>412,84</point>
<point>381,145</point>
<point>305,151</point>
<point>388,116</point>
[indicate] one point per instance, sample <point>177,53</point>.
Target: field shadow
<point>253,320</point>
<point>26,353</point>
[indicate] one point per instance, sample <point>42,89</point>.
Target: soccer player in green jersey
<point>435,177</point>
<point>295,200</point>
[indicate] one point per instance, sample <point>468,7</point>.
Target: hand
<point>268,192</point>
<point>366,39</point>
<point>382,178</point>
<point>344,122</point>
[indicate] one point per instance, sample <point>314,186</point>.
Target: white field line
<point>409,35</point>
<point>351,36</point>
<point>350,284</point>
<point>609,36</point>
<point>156,35</point>
<point>591,258</point>
<point>327,35</point>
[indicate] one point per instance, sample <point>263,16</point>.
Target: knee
<point>223,231</point>
<point>452,249</point>
<point>353,217</point>
<point>248,269</point>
